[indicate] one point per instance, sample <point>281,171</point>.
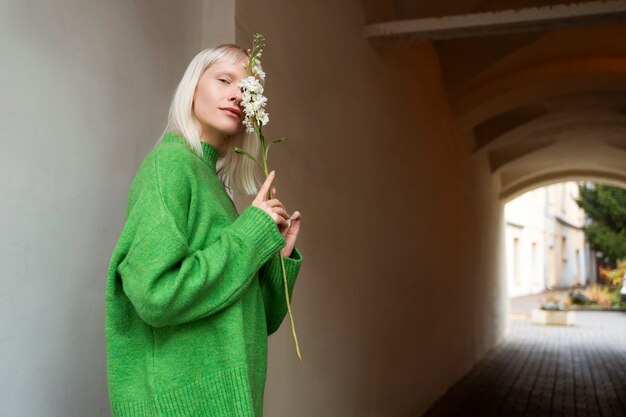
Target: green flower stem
<point>280,254</point>
<point>257,48</point>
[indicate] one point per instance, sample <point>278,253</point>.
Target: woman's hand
<point>291,232</point>
<point>272,207</point>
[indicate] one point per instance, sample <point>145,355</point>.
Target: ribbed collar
<point>210,152</point>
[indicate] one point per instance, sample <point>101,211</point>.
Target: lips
<point>232,110</point>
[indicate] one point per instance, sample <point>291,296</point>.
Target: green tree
<point>606,207</point>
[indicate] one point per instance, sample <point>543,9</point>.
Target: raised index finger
<point>263,192</point>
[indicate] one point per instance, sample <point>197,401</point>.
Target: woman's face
<point>216,101</point>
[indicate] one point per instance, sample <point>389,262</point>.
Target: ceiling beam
<point>505,21</point>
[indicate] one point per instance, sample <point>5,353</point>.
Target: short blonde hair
<point>237,172</point>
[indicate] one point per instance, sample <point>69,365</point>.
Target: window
<point>578,268</point>
<point>516,263</point>
<point>552,269</point>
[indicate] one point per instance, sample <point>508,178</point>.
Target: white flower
<point>253,102</point>
<point>258,71</point>
<point>258,103</point>
<point>251,84</point>
<point>249,128</point>
<point>262,117</point>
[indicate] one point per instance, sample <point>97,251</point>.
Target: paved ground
<point>541,371</point>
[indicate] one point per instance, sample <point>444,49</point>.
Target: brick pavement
<point>545,371</point>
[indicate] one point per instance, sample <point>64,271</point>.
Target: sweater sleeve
<point>168,283</point>
<point>273,288</point>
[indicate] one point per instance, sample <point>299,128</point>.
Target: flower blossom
<point>253,101</point>
<point>258,71</point>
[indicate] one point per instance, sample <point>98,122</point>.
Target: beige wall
<point>398,295</point>
<point>401,287</point>
<point>85,89</point>
<point>551,250</point>
<point>527,248</point>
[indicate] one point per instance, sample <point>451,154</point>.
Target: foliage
<point>598,295</point>
<point>578,297</point>
<point>553,302</point>
<point>553,306</point>
<point>601,295</point>
<point>614,276</point>
<point>606,207</point>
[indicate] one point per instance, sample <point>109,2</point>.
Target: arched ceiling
<point>552,107</point>
<point>542,106</point>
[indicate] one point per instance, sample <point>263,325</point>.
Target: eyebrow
<point>230,74</point>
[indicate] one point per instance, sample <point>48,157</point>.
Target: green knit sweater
<point>193,291</point>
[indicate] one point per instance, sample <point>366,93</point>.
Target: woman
<point>194,288</point>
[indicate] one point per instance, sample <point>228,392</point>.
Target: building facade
<point>545,243</point>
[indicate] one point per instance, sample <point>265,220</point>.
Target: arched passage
<point>547,118</point>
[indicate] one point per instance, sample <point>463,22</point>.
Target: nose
<point>236,97</point>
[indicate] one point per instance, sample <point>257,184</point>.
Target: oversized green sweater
<point>193,291</point>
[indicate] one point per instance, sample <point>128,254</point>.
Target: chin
<point>233,132</point>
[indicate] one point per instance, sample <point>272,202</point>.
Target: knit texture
<point>193,291</point>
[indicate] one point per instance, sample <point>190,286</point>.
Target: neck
<point>218,142</point>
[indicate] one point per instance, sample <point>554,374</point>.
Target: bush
<point>614,277</point>
<point>598,295</point>
<point>578,297</point>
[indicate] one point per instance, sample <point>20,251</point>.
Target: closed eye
<point>224,81</point>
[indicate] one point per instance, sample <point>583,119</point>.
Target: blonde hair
<point>237,172</point>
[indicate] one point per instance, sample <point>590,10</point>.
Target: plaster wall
<point>85,90</point>
<point>525,243</point>
<point>550,249</point>
<point>401,288</point>
<point>569,237</point>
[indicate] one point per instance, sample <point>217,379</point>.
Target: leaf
<point>242,152</point>
<point>275,140</point>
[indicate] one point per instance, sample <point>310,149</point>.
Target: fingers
<point>282,223</point>
<point>274,202</point>
<point>262,194</point>
<point>274,207</point>
<point>281,212</point>
<point>291,232</point>
<point>294,221</point>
